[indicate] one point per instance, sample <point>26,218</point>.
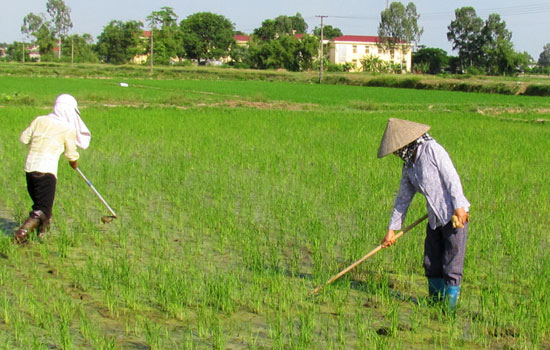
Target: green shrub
<point>331,67</point>
<point>383,82</point>
<point>537,90</point>
<point>337,79</point>
<point>474,71</point>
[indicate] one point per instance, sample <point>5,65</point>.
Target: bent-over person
<point>428,169</point>
<point>48,136</point>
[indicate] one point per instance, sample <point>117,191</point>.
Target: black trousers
<point>41,187</point>
<point>444,250</point>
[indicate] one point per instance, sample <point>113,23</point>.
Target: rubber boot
<point>22,234</point>
<point>44,227</point>
<point>452,293</point>
<point>436,289</point>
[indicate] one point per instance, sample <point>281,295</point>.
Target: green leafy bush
<point>537,90</point>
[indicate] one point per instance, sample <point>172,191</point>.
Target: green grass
<point>507,85</point>
<point>266,95</point>
<point>230,213</point>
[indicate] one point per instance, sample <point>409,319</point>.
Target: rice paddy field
<point>237,198</point>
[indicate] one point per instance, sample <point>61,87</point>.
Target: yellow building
<point>355,48</point>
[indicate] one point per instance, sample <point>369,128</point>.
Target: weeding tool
<point>107,218</point>
<point>371,253</point>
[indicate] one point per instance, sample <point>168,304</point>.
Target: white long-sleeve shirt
<point>47,139</point>
<point>434,175</point>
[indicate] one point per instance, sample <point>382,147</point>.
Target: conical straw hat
<point>398,134</point>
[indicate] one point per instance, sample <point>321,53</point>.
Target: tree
<point>81,46</point>
<point>14,52</point>
<point>297,23</point>
<point>165,18</point>
<point>239,55</point>
<point>206,36</point>
<point>38,27</point>
<point>485,46</point>
<point>544,57</point>
<point>47,32</point>
<point>499,56</point>
<point>399,26</point>
<point>120,41</point>
<point>308,52</point>
<point>434,60</point>
<point>61,20</point>
<point>32,23</point>
<point>329,32</point>
<point>275,45</point>
<point>286,51</point>
<point>267,30</point>
<point>167,37</point>
<point>282,25</point>
<point>464,33</point>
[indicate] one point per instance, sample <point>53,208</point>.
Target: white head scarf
<point>66,110</point>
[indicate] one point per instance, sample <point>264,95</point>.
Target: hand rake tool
<point>371,253</point>
<point>107,218</point>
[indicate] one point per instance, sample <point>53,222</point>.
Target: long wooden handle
<point>371,253</point>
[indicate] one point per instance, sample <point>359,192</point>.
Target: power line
<point>520,10</point>
<point>504,11</point>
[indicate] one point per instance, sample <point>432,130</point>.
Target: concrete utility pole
<point>72,50</point>
<point>322,56</point>
<point>151,58</point>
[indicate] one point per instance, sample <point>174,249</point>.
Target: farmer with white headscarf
<point>48,136</point>
<point>428,169</point>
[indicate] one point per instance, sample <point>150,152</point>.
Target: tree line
<point>483,46</point>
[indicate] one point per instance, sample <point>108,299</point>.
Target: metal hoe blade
<point>107,218</point>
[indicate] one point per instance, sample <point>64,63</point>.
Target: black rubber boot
<point>22,234</point>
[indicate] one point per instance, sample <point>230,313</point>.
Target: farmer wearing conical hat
<point>428,169</point>
<point>48,136</point>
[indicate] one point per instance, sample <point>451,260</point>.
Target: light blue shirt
<point>434,175</point>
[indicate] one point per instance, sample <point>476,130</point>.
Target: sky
<point>527,20</point>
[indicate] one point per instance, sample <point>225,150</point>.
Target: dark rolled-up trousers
<point>444,250</point>
<point>41,187</point>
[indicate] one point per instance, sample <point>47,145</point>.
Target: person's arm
<point>451,181</point>
<point>402,202</point>
<point>70,150</point>
<point>26,135</point>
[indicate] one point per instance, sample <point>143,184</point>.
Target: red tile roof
<point>241,37</point>
<point>247,37</point>
<point>358,38</point>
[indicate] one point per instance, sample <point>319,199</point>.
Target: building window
<point>354,48</point>
<point>367,50</point>
<point>354,62</point>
